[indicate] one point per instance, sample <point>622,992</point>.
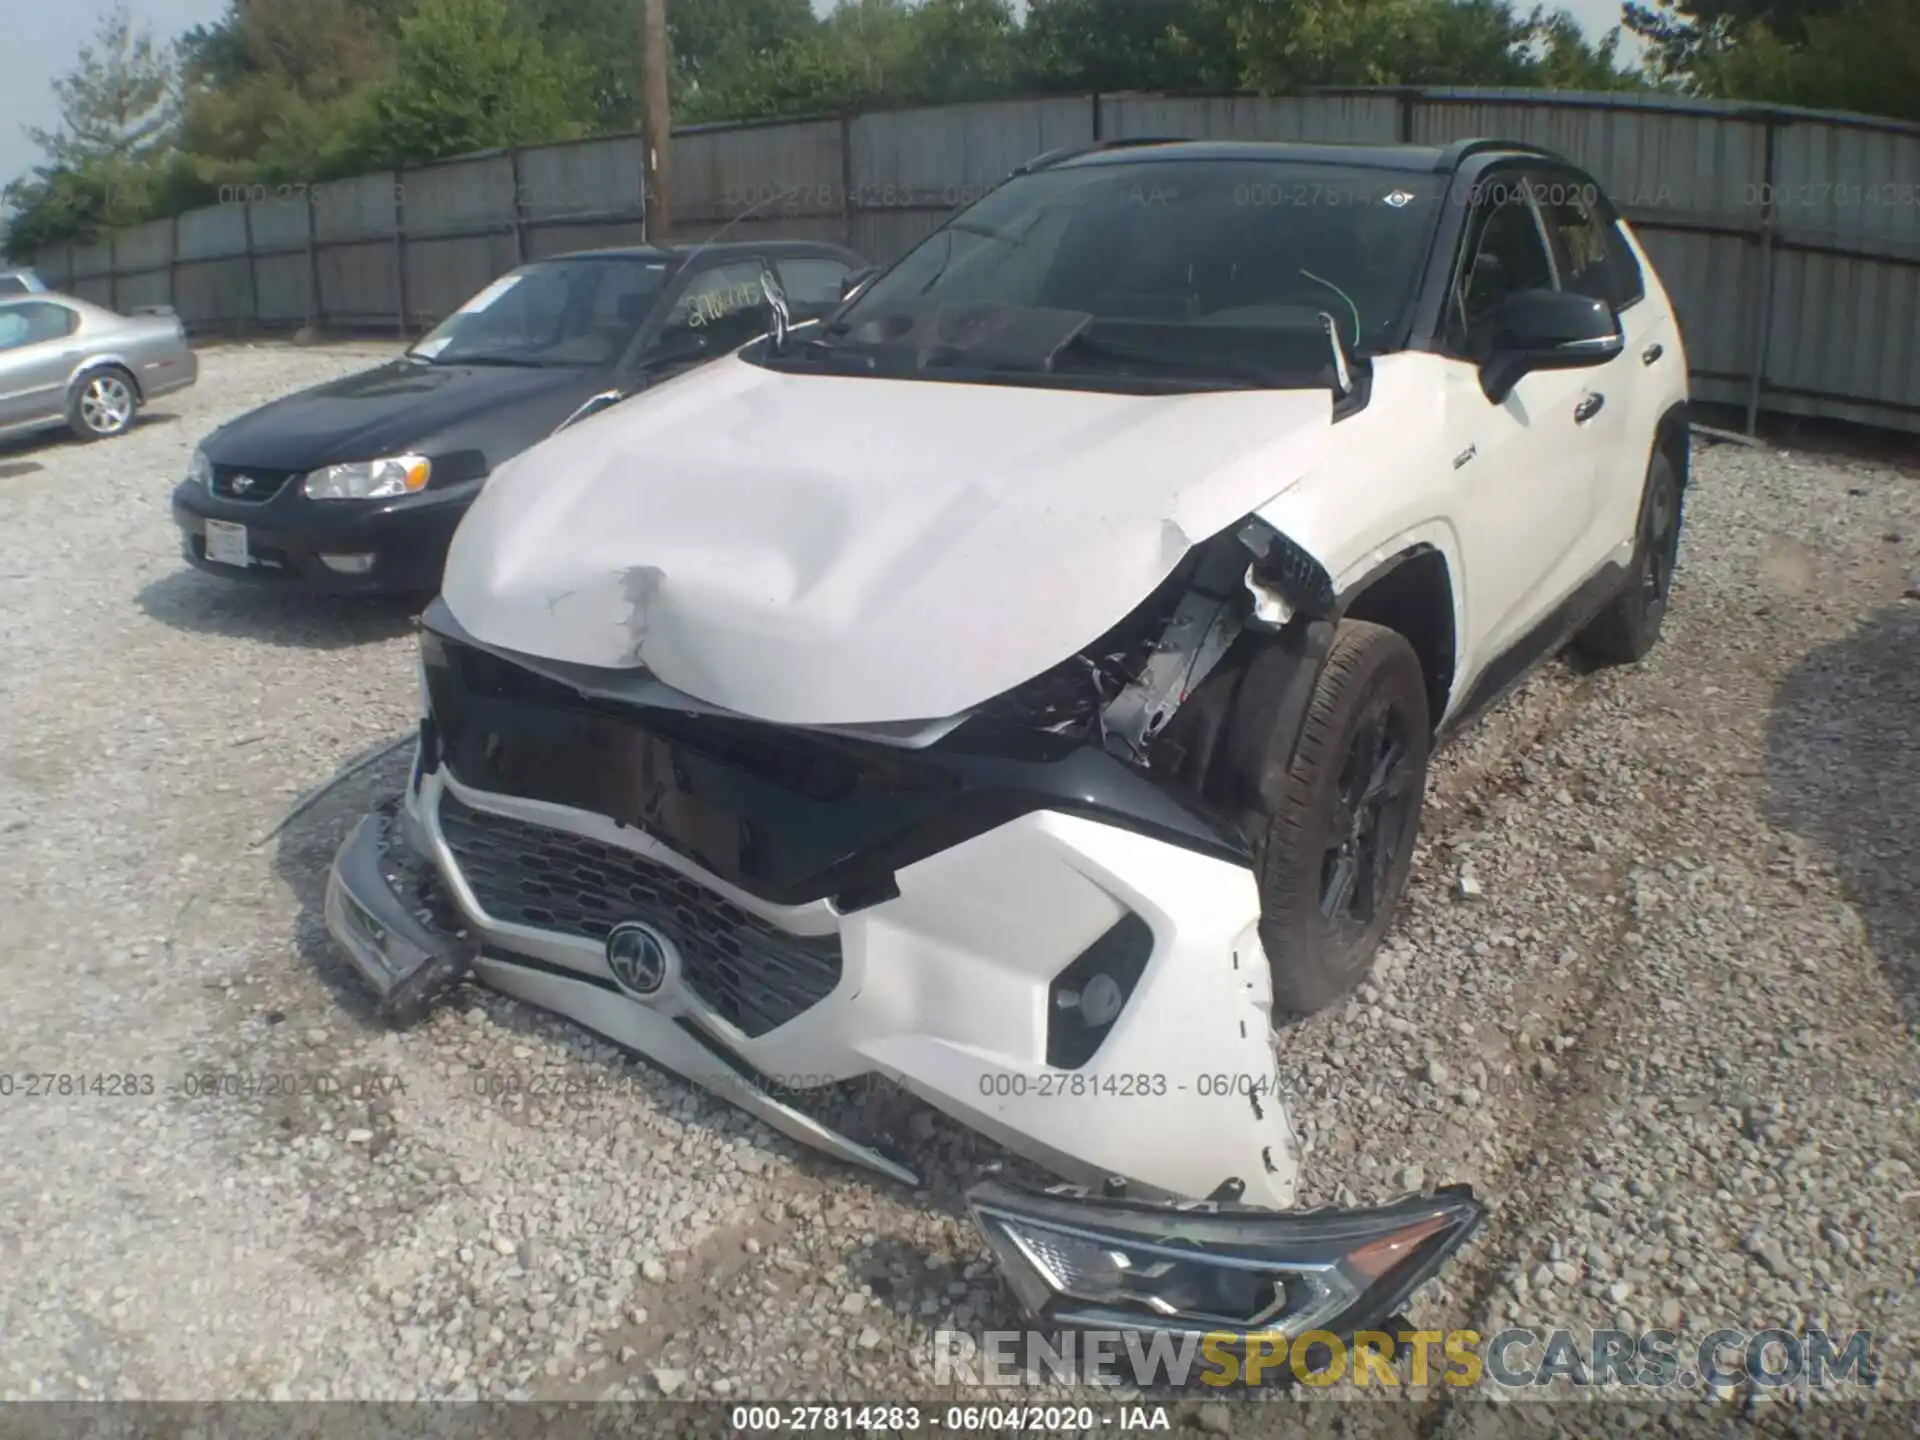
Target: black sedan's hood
<point>407,405</point>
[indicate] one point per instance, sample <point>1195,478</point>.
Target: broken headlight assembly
<point>1087,1262</point>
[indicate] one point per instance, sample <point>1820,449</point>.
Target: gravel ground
<point>1656,994</point>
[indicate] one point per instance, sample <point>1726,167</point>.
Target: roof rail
<point>1068,152</point>
<point>1453,156</point>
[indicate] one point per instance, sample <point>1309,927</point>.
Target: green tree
<point>960,50</point>
<point>710,35</point>
<point>868,53</point>
<point>119,109</point>
<point>1131,44</point>
<point>280,90</point>
<point>1290,44</point>
<point>1684,35</point>
<point>606,33</point>
<point>121,102</point>
<point>473,75</point>
<point>708,38</point>
<point>1565,59</point>
<point>1829,54</point>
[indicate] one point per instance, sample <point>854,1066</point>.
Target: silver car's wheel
<point>104,406</point>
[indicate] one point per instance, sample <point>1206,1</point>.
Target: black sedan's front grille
<point>756,975</point>
<point>249,482</point>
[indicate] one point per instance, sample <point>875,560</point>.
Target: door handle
<point>1652,353</point>
<point>1588,407</point>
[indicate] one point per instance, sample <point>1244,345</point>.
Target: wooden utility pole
<point>655,125</point>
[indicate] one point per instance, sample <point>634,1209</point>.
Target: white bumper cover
<point>945,990</point>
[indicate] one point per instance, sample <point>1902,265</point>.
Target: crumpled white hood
<point>832,550</point>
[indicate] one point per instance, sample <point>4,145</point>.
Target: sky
<point>45,42</point>
<point>36,52</point>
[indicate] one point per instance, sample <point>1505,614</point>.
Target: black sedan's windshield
<point>1220,268</point>
<point>580,311</point>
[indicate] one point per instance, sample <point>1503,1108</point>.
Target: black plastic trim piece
<point>1047,159</point>
<point>1428,332</point>
<point>426,755</point>
<point>1121,952</point>
<point>1561,624</point>
<point>876,891</point>
<point>365,870</point>
<point>1280,561</point>
<point>785,814</point>
<point>1458,152</point>
<point>1380,572</point>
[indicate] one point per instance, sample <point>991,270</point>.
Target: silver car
<point>64,361</point>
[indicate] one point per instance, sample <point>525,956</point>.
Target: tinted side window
<point>1504,253</point>
<point>720,310</point>
<point>12,285</point>
<point>1588,248</point>
<point>1629,283</point>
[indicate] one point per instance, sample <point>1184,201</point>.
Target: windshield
<point>580,311</point>
<point>1220,269</point>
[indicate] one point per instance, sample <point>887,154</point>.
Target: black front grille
<point>249,482</point>
<point>756,975</point>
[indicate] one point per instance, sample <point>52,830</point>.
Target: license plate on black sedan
<point>227,543</point>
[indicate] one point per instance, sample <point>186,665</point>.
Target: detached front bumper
<point>953,989</point>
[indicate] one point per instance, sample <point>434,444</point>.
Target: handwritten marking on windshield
<point>716,305</point>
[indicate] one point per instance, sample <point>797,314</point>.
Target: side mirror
<point>675,343</point>
<point>1548,330</point>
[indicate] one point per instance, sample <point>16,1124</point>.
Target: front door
<point>1594,259</point>
<point>1526,462</point>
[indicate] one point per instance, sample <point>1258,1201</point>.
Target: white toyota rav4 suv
<point>1019,686</point>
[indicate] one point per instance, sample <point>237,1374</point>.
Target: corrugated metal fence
<point>1790,240</point>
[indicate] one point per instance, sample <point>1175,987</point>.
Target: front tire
<point>103,404</point>
<point>1629,627</point>
<point>1337,850</point>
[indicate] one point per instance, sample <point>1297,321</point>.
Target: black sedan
<point>357,485</point>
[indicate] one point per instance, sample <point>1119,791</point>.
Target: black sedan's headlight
<point>1086,1262</point>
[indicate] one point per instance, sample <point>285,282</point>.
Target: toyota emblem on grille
<point>241,484</point>
<point>640,957</point>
